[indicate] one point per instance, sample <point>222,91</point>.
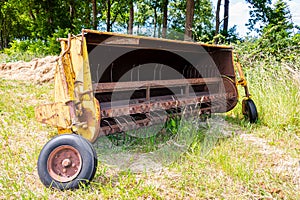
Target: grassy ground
<point>259,161</point>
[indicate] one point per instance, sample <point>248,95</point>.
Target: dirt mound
<point>39,70</point>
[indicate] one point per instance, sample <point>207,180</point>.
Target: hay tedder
<point>107,83</point>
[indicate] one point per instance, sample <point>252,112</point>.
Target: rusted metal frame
<point>133,125</point>
<point>65,82</point>
<point>242,81</point>
<point>135,47</point>
<point>68,68</point>
<point>187,90</point>
<point>155,39</point>
<point>158,104</point>
<point>158,119</point>
<point>148,93</point>
<point>123,86</point>
<point>68,47</point>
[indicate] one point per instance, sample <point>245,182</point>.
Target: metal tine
<point>173,112</point>
<point>191,111</point>
<point>161,66</point>
<point>134,121</point>
<point>183,71</point>
<point>195,70</point>
<point>124,120</point>
<point>131,71</point>
<point>132,118</point>
<point>175,99</point>
<point>203,71</point>
<point>189,71</point>
<point>197,75</point>
<point>119,124</point>
<point>199,109</point>
<point>199,102</point>
<point>154,75</point>
<point>111,72</point>
<point>108,124</point>
<point>192,72</point>
<point>160,117</point>
<point>139,72</point>
<point>149,116</point>
<point>98,67</point>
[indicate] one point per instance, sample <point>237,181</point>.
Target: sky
<point>239,13</point>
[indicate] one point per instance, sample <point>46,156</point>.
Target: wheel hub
<point>64,163</point>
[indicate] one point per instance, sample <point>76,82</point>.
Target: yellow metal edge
<point>155,39</point>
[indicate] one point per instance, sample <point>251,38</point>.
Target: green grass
<point>216,165</point>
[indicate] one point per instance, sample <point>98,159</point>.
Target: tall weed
<point>274,88</point>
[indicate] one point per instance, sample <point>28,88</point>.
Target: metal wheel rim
<point>64,163</point>
<point>230,87</point>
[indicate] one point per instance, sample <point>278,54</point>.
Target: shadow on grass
<point>127,153</point>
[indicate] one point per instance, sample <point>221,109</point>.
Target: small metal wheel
<point>249,110</point>
<point>66,162</point>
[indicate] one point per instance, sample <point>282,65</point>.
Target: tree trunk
<point>95,24</point>
<point>49,10</point>
<point>108,16</point>
<point>1,41</point>
<point>226,17</point>
<point>190,7</point>
<point>131,17</point>
<point>72,13</point>
<point>155,22</point>
<point>159,30</point>
<point>217,21</point>
<point>165,18</point>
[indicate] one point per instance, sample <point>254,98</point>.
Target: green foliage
<point>260,12</point>
<point>264,15</point>
<point>276,39</point>
<point>35,48</point>
<point>30,25</point>
<point>36,20</point>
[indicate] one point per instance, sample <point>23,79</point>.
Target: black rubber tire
<point>249,110</point>
<point>95,158</point>
<point>88,156</point>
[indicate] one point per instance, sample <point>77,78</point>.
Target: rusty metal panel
<point>123,86</point>
<point>55,114</point>
<point>88,108</point>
